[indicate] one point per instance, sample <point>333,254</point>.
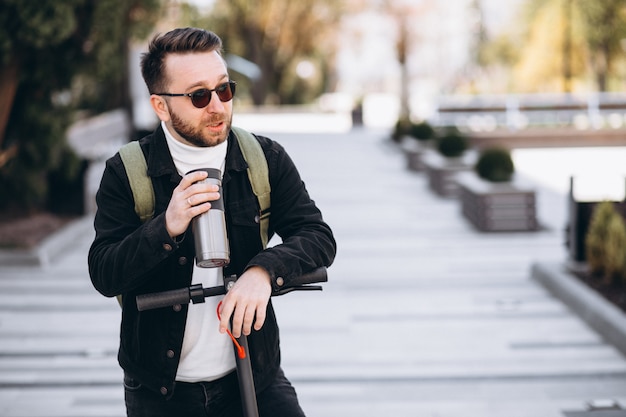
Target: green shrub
<point>615,250</point>
<point>495,164</point>
<point>402,128</point>
<point>452,143</point>
<point>421,131</point>
<point>605,243</point>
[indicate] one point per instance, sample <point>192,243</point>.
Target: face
<point>208,126</point>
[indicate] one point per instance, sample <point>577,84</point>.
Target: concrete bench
<point>96,139</point>
<point>443,172</point>
<point>497,206</point>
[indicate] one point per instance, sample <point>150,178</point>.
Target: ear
<point>159,105</point>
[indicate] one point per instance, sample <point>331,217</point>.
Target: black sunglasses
<point>201,98</point>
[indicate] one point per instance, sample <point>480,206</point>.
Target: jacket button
<point>177,307</point>
<point>170,353</point>
<point>257,219</point>
<point>182,260</point>
<point>280,281</point>
<point>167,247</point>
<point>163,391</point>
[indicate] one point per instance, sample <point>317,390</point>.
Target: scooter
<point>196,294</point>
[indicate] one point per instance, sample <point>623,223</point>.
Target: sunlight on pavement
<point>294,122</point>
<point>599,172</point>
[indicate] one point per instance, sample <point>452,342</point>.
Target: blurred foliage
<point>278,36</point>
<point>541,64</point>
<point>605,243</point>
<point>421,131</point>
<point>451,142</point>
<point>561,45</point>
<point>604,24</point>
<point>495,164</point>
<point>102,82</point>
<point>58,57</point>
<point>400,129</point>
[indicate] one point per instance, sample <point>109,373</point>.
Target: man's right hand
<point>189,199</point>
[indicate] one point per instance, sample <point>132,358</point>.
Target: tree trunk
<point>402,48</point>
<point>9,80</point>
<point>258,89</point>
<point>567,48</point>
<point>602,69</point>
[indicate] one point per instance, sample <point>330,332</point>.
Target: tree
<point>401,15</point>
<point>57,56</point>
<point>104,74</point>
<point>564,45</point>
<point>605,28</point>
<point>569,42</point>
<point>404,16</point>
<point>280,37</point>
<point>553,38</point>
<point>26,27</point>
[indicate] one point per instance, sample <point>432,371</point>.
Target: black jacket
<point>131,258</point>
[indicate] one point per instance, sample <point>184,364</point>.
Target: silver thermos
<point>209,229</point>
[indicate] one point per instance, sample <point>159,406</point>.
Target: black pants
<point>211,399</point>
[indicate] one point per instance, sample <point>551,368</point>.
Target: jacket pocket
<point>131,384</point>
<point>244,232</point>
<point>244,212</point>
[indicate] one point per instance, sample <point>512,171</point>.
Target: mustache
<point>215,118</point>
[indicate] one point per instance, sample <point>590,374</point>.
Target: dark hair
<point>177,41</point>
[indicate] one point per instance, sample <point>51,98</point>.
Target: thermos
<point>209,229</point>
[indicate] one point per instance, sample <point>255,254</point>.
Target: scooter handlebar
<point>197,293</point>
<point>163,299</point>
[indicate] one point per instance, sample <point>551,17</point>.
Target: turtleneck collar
<point>187,158</point>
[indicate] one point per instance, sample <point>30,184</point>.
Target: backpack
<point>143,193</point>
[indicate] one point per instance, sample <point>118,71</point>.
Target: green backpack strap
<point>258,173</point>
<point>140,183</point>
<point>137,171</point>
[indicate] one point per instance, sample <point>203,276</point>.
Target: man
<point>179,361</point>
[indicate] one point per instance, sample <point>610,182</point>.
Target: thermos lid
<point>213,172</point>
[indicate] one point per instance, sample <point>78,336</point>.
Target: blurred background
<point>70,72</point>
<point>358,84</point>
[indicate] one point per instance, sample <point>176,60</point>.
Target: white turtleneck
<point>207,354</point>
<point>187,157</point>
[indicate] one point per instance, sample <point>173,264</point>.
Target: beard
<point>199,137</point>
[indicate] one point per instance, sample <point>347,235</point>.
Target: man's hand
<point>189,200</point>
<point>246,300</point>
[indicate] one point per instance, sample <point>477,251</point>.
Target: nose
<point>215,104</point>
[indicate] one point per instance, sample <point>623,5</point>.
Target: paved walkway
<point>422,316</point>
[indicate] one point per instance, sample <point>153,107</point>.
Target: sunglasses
<point>201,98</point>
